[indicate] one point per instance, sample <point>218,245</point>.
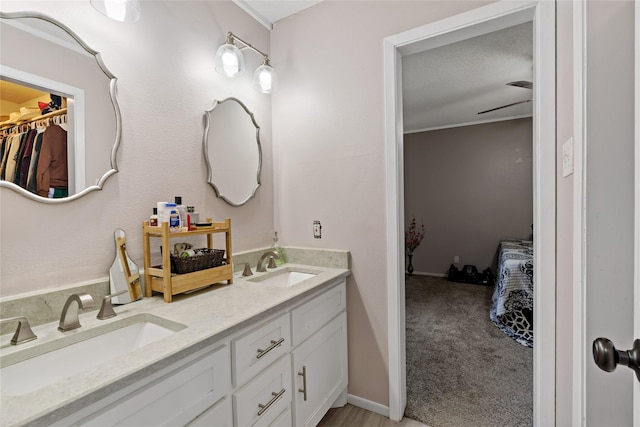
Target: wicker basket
<point>203,259</point>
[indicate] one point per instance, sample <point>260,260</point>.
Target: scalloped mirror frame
<point>205,144</point>
<point>114,101</point>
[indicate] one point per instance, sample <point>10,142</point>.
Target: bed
<point>512,301</point>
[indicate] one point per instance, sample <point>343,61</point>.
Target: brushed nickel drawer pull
<point>273,345</point>
<point>273,400</point>
<point>303,390</point>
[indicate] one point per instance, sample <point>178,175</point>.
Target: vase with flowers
<point>412,238</point>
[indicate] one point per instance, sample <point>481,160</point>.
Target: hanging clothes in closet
<point>34,156</point>
<point>52,169</point>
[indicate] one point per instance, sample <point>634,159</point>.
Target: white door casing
<point>479,21</point>
<point>636,255</point>
<point>579,215</point>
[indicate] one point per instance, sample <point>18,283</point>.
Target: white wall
<point>166,80</point>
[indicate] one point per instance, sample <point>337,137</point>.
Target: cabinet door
<point>320,371</point>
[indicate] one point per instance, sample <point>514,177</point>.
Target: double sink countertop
<point>208,315</point>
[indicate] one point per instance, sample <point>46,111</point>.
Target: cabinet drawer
<point>311,316</point>
<point>284,419</point>
<point>220,414</point>
<point>259,348</point>
<point>263,399</point>
<point>174,399</point>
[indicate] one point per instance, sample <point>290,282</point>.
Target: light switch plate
<point>567,158</point>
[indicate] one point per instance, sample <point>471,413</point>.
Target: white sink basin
<point>286,277</point>
<point>53,363</point>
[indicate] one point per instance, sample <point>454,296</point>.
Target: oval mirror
<point>60,122</point>
<point>232,151</point>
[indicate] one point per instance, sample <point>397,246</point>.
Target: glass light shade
<point>265,79</point>
<point>229,60</point>
<point>119,10</point>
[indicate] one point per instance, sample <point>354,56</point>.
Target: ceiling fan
<point>519,83</point>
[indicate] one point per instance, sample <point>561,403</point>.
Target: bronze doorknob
<point>607,357</point>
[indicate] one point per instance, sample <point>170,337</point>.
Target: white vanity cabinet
<point>309,341</point>
<point>284,370</point>
<point>320,361</point>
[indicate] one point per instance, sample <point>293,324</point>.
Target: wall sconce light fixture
<point>230,63</point>
<point>119,10</point>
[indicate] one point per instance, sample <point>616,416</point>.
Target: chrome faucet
<point>269,254</point>
<point>23,331</point>
<point>69,318</point>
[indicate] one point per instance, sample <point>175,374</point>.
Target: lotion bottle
<point>174,217</point>
<point>182,210</point>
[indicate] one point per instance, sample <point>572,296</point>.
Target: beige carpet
<point>461,369</point>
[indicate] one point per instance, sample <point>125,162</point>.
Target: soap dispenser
<point>276,247</point>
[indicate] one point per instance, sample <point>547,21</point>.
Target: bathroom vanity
<point>259,352</point>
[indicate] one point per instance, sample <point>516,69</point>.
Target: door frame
<point>636,272</point>
<point>482,20</point>
<point>579,269</point>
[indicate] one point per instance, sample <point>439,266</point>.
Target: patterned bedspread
<point>512,305</point>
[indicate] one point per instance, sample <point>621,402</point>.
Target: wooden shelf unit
<point>159,279</point>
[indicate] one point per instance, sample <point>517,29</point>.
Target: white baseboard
<point>368,405</point>
<point>424,273</point>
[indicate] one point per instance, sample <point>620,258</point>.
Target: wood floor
<point>352,416</point>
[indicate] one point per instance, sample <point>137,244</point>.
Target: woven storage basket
<point>204,258</point>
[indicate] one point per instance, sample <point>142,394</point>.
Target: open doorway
<point>462,369</point>
<point>468,180</point>
<point>479,21</point>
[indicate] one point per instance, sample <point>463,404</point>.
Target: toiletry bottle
<point>276,247</point>
<point>182,210</point>
<point>170,214</point>
<point>194,217</point>
<point>174,218</point>
<point>153,219</point>
<point>162,217</point>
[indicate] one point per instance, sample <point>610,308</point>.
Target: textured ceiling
<point>450,84</point>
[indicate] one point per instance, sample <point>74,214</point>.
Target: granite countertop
<point>208,315</point>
